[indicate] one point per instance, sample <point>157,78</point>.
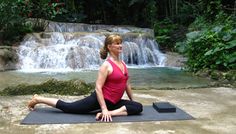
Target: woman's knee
<point>139,107</point>
<point>136,108</point>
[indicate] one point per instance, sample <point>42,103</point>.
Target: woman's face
<point>115,47</point>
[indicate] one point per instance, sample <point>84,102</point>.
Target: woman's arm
<point>129,91</point>
<point>102,75</point>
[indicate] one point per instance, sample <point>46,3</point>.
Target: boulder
<point>175,60</point>
<point>8,58</point>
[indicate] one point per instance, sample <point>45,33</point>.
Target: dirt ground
<point>213,108</point>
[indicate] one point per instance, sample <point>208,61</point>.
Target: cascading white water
<point>143,52</point>
<point>63,51</point>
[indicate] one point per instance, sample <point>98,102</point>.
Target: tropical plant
<point>73,11</point>
<point>163,31</point>
<point>41,11</point>
<point>46,9</point>
<point>212,48</point>
<point>210,8</point>
<point>13,25</point>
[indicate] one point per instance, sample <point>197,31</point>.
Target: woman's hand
<point>104,116</point>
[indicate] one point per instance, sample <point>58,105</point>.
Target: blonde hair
<point>108,41</point>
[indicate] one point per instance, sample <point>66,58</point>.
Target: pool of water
<point>156,77</point>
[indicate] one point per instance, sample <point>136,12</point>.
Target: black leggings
<point>90,104</point>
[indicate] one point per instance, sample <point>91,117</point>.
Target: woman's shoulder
<point>105,64</point>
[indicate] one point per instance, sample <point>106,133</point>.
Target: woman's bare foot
<point>98,116</point>
<point>33,102</point>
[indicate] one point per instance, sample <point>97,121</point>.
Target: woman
<point>112,82</point>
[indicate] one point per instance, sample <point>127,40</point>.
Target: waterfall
<point>67,50</point>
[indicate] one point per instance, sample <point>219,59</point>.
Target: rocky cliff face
<point>8,58</point>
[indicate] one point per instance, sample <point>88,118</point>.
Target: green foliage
<point>74,12</point>
<point>9,15</point>
<point>52,86</point>
<point>212,48</point>
<point>41,10</point>
<point>13,25</point>
<point>14,15</point>
<point>199,24</point>
<point>150,12</point>
<point>187,12</point>
<point>210,8</point>
<point>163,31</point>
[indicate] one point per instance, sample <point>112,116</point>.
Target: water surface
<point>156,77</point>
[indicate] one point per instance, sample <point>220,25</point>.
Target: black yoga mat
<point>54,116</point>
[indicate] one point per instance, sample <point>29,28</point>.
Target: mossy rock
<point>216,75</point>
<point>203,73</point>
<point>52,86</point>
<point>231,75</point>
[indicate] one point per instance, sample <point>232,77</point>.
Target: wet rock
<point>231,75</point>
<point>175,60</point>
<point>45,35</point>
<point>8,58</point>
<point>216,75</point>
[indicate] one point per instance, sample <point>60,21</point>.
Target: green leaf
<point>218,62</point>
<point>217,29</point>
<point>231,44</point>
<point>225,64</point>
<point>193,35</point>
<point>208,52</point>
<point>227,37</point>
<point>132,2</point>
<point>232,58</point>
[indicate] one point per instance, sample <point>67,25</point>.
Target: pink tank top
<point>115,84</point>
